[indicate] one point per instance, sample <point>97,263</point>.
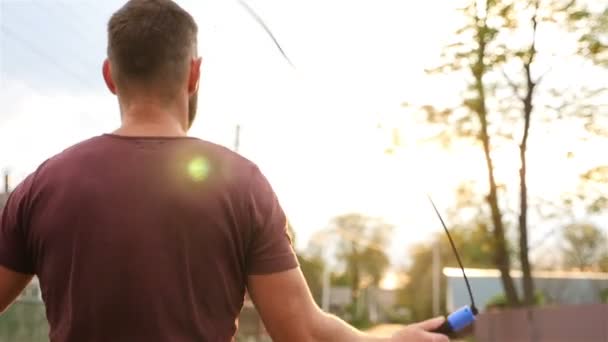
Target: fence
<point>581,323</point>
<point>24,321</point>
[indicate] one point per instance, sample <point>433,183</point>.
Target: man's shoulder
<point>66,153</point>
<point>90,149</point>
<point>55,160</point>
<point>225,155</point>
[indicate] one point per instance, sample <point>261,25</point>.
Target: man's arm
<point>11,285</point>
<point>16,266</point>
<point>278,288</point>
<point>290,314</point>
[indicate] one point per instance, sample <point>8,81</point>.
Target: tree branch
<point>513,85</point>
<point>542,77</point>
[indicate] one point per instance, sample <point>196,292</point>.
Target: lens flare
<point>198,169</point>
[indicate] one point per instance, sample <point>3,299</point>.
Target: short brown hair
<point>151,41</point>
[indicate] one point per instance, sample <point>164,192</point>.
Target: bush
<point>604,295</point>
<point>500,301</point>
<point>497,302</point>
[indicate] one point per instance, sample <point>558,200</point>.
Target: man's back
<point>145,239</point>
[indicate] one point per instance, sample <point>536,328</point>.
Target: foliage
<point>593,189</point>
<point>594,42</point>
<point>291,233</point>
<point>312,267</point>
<point>362,247</point>
<point>604,295</point>
<point>603,263</point>
<point>361,320</point>
<point>361,250</point>
<point>497,302</point>
<point>584,246</point>
<point>500,301</point>
<point>475,246</point>
<point>503,53</point>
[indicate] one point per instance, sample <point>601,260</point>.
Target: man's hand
<point>290,314</point>
<point>420,332</point>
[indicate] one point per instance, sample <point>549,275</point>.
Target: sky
<point>312,129</point>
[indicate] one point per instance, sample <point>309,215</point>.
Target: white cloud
<point>38,126</point>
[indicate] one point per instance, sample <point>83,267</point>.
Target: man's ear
<point>107,76</point>
<point>195,75</point>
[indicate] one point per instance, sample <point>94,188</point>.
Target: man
<point>148,235</point>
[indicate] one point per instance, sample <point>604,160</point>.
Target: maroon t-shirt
<point>144,239</point>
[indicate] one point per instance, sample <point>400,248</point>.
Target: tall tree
<point>472,54</point>
<point>499,55</point>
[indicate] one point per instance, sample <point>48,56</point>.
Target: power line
<point>71,28</point>
<point>33,88</point>
<point>37,51</point>
<point>267,29</point>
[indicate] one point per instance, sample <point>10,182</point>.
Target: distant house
<point>558,287</point>
<point>339,299</point>
<point>380,303</point>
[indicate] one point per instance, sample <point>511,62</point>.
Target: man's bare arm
<point>290,314</point>
<point>11,285</point>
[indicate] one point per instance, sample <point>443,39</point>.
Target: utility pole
<point>436,279</point>
<point>237,138</point>
<point>6,181</point>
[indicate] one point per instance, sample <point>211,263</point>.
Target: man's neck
<point>148,120</point>
<point>143,130</point>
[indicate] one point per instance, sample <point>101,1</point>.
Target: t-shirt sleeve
<point>270,248</point>
<point>13,244</point>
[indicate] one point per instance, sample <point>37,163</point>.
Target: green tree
<point>593,189</point>
<point>584,246</point>
<point>603,263</point>
<point>501,102</point>
<point>593,41</point>
<point>475,246</point>
<point>361,250</point>
<point>312,267</point>
<point>291,233</point>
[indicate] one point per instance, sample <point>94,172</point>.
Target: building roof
<point>558,287</point>
<point>453,272</point>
